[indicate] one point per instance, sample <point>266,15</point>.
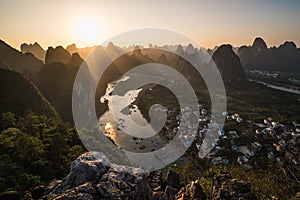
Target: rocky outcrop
<point>227,188</point>
<point>191,191</point>
<point>92,176</point>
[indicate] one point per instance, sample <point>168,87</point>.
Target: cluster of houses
<point>235,117</point>
<point>275,141</point>
<point>272,74</point>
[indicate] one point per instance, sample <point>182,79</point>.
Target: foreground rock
<point>92,176</point>
<point>191,191</point>
<point>227,188</point>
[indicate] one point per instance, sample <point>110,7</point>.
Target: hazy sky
<point>210,23</point>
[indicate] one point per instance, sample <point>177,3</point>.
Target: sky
<point>90,22</point>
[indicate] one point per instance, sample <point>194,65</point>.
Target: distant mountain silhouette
<point>35,49</point>
<point>72,48</point>
<point>59,54</point>
<point>83,52</point>
<point>26,64</point>
<point>76,60</point>
<point>18,95</point>
<point>56,79</point>
<point>258,56</point>
<point>229,64</point>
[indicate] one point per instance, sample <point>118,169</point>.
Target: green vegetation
<point>254,101</point>
<point>35,149</point>
<point>265,183</point>
<point>283,78</point>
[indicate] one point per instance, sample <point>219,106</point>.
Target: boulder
<point>92,176</point>
<point>173,179</point>
<point>191,191</point>
<point>227,188</point>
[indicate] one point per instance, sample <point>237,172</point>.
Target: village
<point>255,143</point>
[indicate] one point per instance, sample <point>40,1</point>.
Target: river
<point>113,125</point>
<point>277,87</point>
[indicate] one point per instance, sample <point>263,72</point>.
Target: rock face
<point>227,188</point>
<point>229,64</point>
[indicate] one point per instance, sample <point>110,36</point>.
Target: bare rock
<point>191,191</point>
<point>173,179</point>
<point>92,176</point>
<point>225,187</point>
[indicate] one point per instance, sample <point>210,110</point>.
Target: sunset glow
<point>87,31</point>
<point>211,23</point>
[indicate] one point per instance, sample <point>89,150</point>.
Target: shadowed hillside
<point>19,95</point>
<point>26,64</point>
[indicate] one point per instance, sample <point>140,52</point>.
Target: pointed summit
<point>180,50</point>
<point>190,49</point>
<point>229,64</point>
<point>72,48</point>
<point>259,45</point>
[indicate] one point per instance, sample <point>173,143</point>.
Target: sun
<point>87,31</point>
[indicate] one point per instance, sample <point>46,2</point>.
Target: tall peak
<point>259,44</point>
